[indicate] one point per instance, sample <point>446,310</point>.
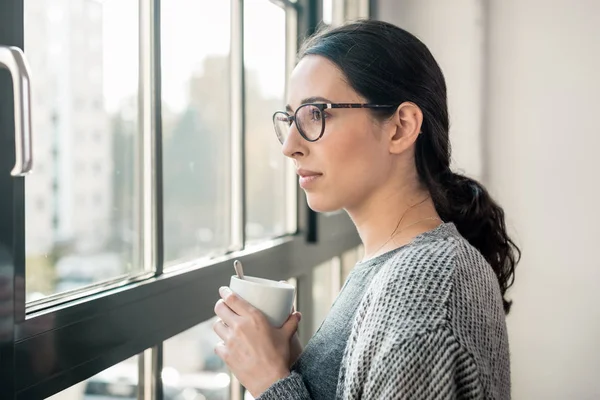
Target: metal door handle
<point>13,59</point>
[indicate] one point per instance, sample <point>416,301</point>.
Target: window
<point>192,367</point>
<point>94,11</point>
<point>349,259</point>
<point>328,11</point>
<point>183,174</point>
<point>265,56</point>
<point>354,9</point>
<point>95,77</point>
<point>117,382</point>
<point>97,199</point>
<point>117,64</point>
<point>196,128</point>
<point>326,285</point>
<point>39,205</point>
<point>335,12</point>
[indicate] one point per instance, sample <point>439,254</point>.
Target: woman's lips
<point>307,177</point>
<point>306,181</point>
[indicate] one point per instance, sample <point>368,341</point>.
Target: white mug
<point>275,299</point>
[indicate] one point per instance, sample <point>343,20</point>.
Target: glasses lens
<point>309,119</point>
<point>282,123</point>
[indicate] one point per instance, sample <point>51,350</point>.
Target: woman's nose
<point>294,146</point>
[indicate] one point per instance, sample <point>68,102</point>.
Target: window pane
<point>265,76</point>
<point>80,226</point>
<point>196,127</point>
<point>190,364</point>
<point>349,260</point>
<point>119,382</point>
<point>325,288</point>
<point>355,9</point>
<point>327,11</point>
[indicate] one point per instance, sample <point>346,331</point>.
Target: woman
<point>423,315</point>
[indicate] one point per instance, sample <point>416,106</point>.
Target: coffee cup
<point>273,298</point>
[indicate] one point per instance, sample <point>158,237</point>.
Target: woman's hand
<point>295,349</point>
<point>295,345</point>
<point>256,353</point>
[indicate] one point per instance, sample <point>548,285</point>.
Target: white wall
<point>542,141</point>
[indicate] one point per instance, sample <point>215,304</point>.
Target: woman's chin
<point>320,204</point>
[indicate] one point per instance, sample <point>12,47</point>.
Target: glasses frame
<point>322,107</point>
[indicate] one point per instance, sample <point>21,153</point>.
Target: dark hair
<point>388,65</point>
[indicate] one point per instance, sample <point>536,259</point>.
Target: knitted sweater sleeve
<point>393,355</point>
<point>428,366</point>
<point>290,388</point>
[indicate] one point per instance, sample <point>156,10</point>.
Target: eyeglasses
<point>310,119</point>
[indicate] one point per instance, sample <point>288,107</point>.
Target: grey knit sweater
<point>424,321</point>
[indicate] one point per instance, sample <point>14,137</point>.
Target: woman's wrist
<point>275,377</point>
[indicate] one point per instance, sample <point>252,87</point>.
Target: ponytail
<point>479,219</point>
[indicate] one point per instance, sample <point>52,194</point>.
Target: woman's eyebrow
<point>314,99</point>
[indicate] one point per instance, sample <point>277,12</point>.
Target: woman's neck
<point>393,217</point>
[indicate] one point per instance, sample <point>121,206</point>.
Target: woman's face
<point>351,160</point>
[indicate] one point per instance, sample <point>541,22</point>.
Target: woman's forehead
<point>316,76</point>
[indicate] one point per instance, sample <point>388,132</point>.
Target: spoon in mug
<point>239,270</point>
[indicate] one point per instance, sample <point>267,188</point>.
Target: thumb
<point>291,325</point>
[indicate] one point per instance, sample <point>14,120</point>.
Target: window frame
<point>88,333</point>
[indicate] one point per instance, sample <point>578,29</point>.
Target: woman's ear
<point>406,127</point>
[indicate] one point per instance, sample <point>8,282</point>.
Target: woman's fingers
<point>235,303</point>
<point>221,351</point>
<point>225,313</point>
<point>221,330</point>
